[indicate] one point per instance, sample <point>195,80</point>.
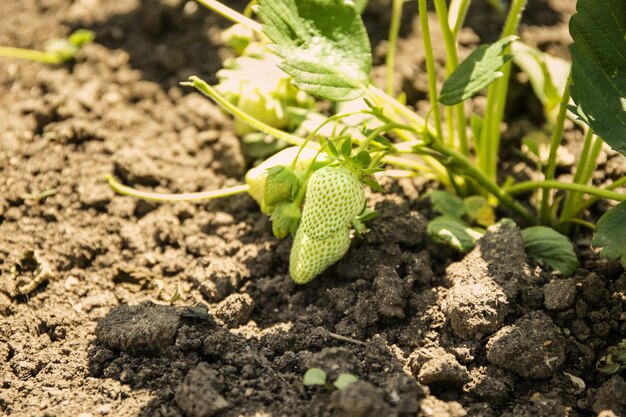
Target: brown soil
<point>426,333</point>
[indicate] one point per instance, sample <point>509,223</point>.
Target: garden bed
<point>188,309</point>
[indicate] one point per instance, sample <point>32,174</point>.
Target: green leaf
<point>346,148</point>
<point>610,233</point>
<point>323,43</point>
<point>476,72</point>
<point>453,232</point>
<point>332,149</point>
<point>360,5</point>
<point>314,376</point>
<point>550,247</point>
<point>479,210</point>
<point>447,203</point>
<point>547,75</point>
<point>343,380</point>
<point>363,159</point>
<point>599,68</point>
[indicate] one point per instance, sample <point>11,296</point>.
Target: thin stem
<point>212,93</point>
<point>430,66</point>
<point>496,97</point>
<point>583,175</point>
<point>527,186</point>
<point>231,14</point>
<point>592,200</point>
<point>452,61</point>
<point>482,179</point>
<point>152,196</point>
<point>31,55</point>
<point>555,141</point>
<point>394,30</point>
<point>456,16</point>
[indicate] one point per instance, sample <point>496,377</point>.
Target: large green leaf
<point>323,43</point>
<point>476,72</point>
<point>447,203</point>
<point>551,247</point>
<point>610,233</point>
<point>599,68</point>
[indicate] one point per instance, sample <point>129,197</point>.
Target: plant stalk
<point>163,197</point>
<point>231,15</point>
<point>394,30</point>
<point>31,55</point>
<point>527,186</point>
<point>430,66</point>
<point>555,141</point>
<point>496,99</point>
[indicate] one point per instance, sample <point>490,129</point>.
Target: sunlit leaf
<point>476,72</point>
<point>323,43</point>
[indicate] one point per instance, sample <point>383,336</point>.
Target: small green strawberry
<point>334,197</point>
<point>310,257</point>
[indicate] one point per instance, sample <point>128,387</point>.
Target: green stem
<point>394,30</point>
<point>482,179</point>
<point>430,66</point>
<point>452,61</point>
<point>147,195</point>
<point>496,97</point>
<point>555,141</point>
<point>583,175</point>
<point>592,200</point>
<point>212,93</point>
<point>31,55</point>
<point>231,15</point>
<point>527,186</point>
<point>456,16</point>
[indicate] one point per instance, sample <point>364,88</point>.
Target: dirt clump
<point>532,347</point>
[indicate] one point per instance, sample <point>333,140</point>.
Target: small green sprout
<point>58,51</point>
<point>615,360</point>
<point>317,376</point>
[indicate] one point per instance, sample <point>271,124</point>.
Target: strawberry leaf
<point>551,247</point>
<point>610,233</point>
<point>599,68</point>
<point>323,43</point>
<point>475,73</point>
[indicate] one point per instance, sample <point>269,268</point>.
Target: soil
<point>148,309</point>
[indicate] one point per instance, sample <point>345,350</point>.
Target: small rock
<point>593,289</point>
<point>235,310</point>
<point>532,347</point>
<point>391,293</point>
<point>140,329</point>
<point>436,366</point>
<point>611,396</point>
<point>198,396</point>
<point>360,399</point>
<point>559,294</point>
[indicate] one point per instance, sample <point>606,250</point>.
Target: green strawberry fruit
<point>310,257</point>
<point>334,197</point>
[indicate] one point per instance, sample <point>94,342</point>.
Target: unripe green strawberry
<point>256,176</point>
<point>310,257</point>
<point>334,197</point>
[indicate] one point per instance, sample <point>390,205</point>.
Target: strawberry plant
<point>315,192</point>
